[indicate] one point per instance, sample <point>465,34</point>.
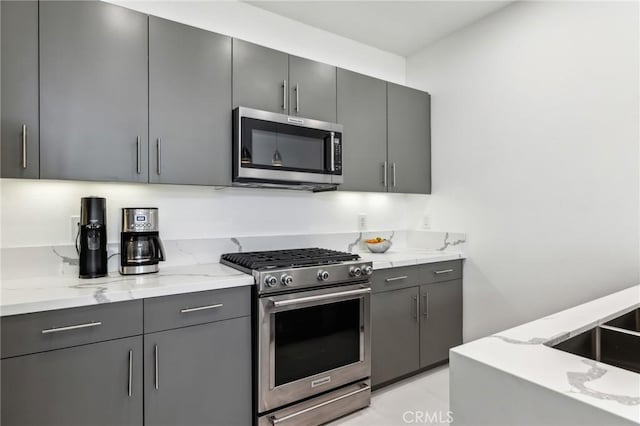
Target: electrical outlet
<point>426,222</point>
<point>362,222</point>
<point>74,223</point>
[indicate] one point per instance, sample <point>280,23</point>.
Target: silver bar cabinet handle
<point>71,327</point>
<point>425,300</point>
<point>201,308</point>
<point>130,370</point>
<point>155,367</point>
<point>385,171</point>
<point>444,271</point>
<point>24,146</point>
<point>393,173</point>
<point>389,280</point>
<point>417,302</point>
<point>284,94</point>
<point>276,421</point>
<point>138,159</point>
<point>297,98</point>
<point>158,158</point>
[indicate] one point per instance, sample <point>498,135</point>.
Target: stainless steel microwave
<point>277,150</point>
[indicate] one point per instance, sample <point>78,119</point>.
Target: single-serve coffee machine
<point>140,245</point>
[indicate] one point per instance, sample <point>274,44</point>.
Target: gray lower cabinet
<point>199,375</point>
<point>19,147</point>
<point>416,317</point>
<point>395,334</point>
<point>260,77</point>
<point>93,92</point>
<point>409,139</point>
<point>312,89</point>
<point>440,320</point>
<point>189,105</point>
<point>362,110</point>
<point>96,384</point>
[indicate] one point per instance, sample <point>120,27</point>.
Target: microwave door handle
<point>332,167</point>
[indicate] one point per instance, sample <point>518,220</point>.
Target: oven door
<point>277,148</point>
<point>311,342</point>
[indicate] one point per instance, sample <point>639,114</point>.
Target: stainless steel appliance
<point>276,150</point>
<point>91,241</point>
<point>312,322</point>
<point>140,245</point>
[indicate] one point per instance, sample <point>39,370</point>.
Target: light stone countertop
<point>525,353</point>
<point>28,295</point>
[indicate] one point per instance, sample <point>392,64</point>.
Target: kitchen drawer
<point>409,276</point>
<point>163,313</point>
<point>44,331</point>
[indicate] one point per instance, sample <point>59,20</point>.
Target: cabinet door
<point>440,320</point>
<point>94,385</point>
<point>312,92</point>
<point>409,141</point>
<point>20,130</point>
<point>362,110</point>
<point>189,105</point>
<point>394,334</point>
<point>199,375</point>
<point>93,92</point>
<point>260,77</point>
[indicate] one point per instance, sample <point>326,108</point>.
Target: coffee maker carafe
<point>91,242</point>
<point>140,245</point>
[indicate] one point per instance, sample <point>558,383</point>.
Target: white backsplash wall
<point>535,119</point>
<point>38,213</point>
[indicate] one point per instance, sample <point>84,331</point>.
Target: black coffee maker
<point>91,242</point>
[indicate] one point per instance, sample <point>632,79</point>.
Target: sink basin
<point>616,342</point>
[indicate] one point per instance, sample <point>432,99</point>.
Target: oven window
<point>311,340</point>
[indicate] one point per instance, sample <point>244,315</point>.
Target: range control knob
<point>367,270</point>
<point>270,281</point>
<point>355,271</point>
<point>323,275</point>
<point>286,279</point>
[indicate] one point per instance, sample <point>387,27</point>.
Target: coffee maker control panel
<point>140,220</point>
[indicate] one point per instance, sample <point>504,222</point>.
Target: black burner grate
<point>287,258</point>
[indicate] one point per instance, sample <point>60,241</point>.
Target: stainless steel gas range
<point>312,334</point>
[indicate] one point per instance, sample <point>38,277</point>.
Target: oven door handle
<point>289,302</point>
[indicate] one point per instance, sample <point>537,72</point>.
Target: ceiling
<point>400,27</point>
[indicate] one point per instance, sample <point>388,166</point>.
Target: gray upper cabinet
<point>20,130</point>
<point>189,105</point>
<point>312,89</point>
<point>409,140</point>
<point>93,92</point>
<point>97,384</point>
<point>260,77</point>
<point>395,334</point>
<point>362,110</point>
<point>440,320</point>
<point>199,375</point>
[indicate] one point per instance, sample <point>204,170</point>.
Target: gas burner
<point>259,260</point>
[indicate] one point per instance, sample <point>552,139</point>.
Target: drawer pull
<point>404,277</point>
<point>444,271</point>
<point>201,308</point>
<point>71,327</point>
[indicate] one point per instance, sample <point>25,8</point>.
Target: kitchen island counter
<point>516,377</point>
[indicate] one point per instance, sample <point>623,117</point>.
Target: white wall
<point>246,22</point>
<point>535,155</point>
<point>38,213</point>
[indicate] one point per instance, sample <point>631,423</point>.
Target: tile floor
<point>421,399</point>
